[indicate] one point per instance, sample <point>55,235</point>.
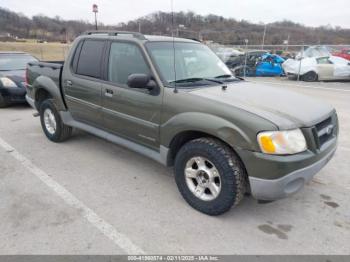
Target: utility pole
<point>301,58</point>
<point>263,40</point>
<point>287,42</point>
<point>95,10</point>
<point>139,26</point>
<point>245,58</point>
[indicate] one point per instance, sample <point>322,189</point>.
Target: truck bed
<point>48,74</point>
<point>47,68</point>
<point>51,69</point>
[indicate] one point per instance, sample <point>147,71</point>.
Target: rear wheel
<point>210,176</point>
<point>244,71</point>
<point>3,102</point>
<point>292,76</point>
<point>238,71</point>
<point>52,124</point>
<point>310,77</point>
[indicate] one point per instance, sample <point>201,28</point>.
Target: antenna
<point>172,34</point>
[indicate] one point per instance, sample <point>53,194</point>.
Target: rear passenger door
<point>82,82</point>
<point>129,112</point>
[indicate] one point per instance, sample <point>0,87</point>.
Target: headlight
<point>7,82</point>
<point>282,142</point>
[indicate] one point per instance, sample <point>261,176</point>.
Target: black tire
<point>62,131</point>
<point>292,77</point>
<point>310,77</point>
<point>238,71</point>
<point>3,102</point>
<point>233,177</point>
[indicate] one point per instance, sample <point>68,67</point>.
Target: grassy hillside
<point>187,24</point>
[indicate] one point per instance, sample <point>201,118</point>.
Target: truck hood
<point>286,109</point>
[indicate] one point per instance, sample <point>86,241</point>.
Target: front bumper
<point>273,189</point>
<point>14,94</point>
<point>274,177</point>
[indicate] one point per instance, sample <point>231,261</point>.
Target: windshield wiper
<point>195,79</point>
<point>229,78</point>
<point>224,76</point>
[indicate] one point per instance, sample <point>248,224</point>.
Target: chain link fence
<point>236,56</point>
<point>42,51</point>
<point>283,50</point>
<point>58,51</point>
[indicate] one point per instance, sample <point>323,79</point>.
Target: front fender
<point>46,83</point>
<point>205,123</point>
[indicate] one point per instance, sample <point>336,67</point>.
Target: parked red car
<point>344,53</point>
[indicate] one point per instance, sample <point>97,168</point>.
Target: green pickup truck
<point>175,101</point>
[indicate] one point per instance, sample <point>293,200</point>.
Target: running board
<point>160,156</point>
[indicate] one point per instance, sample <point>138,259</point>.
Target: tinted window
<point>323,60</point>
<point>125,59</point>
<point>89,63</point>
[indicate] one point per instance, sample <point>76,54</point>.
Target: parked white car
<point>317,68</point>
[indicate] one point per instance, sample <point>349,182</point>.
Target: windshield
<point>10,62</point>
<point>194,62</point>
<point>314,51</point>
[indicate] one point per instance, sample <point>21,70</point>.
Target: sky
<point>307,12</point>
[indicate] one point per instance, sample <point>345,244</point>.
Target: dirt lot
<point>88,196</point>
<point>43,51</point>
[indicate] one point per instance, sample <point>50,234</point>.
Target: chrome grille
<point>325,130</point>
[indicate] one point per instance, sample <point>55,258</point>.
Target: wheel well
<point>40,96</point>
<point>182,138</point>
<point>310,72</point>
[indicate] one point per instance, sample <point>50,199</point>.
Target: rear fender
<point>46,83</point>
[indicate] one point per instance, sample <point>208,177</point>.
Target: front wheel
<point>210,176</point>
<point>310,77</point>
<point>52,124</point>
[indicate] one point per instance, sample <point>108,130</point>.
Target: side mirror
<point>140,81</point>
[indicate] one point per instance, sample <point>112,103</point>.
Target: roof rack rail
<point>115,33</point>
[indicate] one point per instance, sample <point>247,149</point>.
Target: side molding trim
<point>160,156</point>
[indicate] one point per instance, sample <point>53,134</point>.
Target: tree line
<point>184,24</point>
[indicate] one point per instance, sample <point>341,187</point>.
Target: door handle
<point>69,83</point>
<point>109,93</point>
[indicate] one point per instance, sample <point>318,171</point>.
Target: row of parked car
<point>314,63</point>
